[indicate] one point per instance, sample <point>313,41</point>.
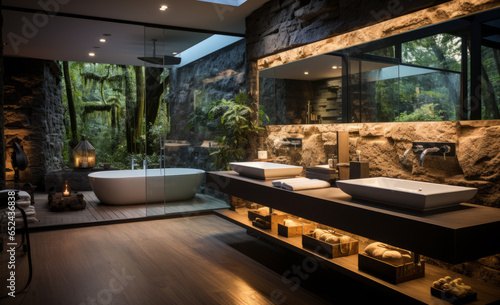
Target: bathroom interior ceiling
<point>73,28</point>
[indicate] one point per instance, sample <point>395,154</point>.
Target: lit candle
<point>66,192</point>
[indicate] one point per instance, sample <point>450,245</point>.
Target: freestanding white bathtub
<point>152,186</point>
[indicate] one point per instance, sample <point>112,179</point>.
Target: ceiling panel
<point>65,36</point>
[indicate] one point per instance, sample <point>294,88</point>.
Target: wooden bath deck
<point>96,213</point>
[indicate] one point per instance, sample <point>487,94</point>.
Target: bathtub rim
<point>103,174</point>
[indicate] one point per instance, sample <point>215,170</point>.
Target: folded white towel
<point>295,184</point>
<point>278,183</point>
<point>23,195</point>
<point>30,211</point>
<point>23,204</point>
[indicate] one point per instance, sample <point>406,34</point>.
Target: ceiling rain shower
<point>164,61</point>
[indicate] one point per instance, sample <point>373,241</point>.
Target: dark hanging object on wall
<point>163,61</point>
<point>19,161</point>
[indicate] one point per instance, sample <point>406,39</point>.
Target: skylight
<point>226,2</point>
<point>207,46</point>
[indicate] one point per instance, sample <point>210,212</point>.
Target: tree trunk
<point>71,105</point>
<point>488,97</point>
<point>454,95</point>
<point>129,110</point>
<point>154,91</point>
<point>140,100</point>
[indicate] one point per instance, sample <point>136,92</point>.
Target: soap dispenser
<point>359,169</point>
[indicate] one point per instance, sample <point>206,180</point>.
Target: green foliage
<point>235,125</point>
<point>424,113</point>
<point>198,120</point>
<point>99,96</point>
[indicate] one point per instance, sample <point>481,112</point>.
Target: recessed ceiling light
<point>102,40</point>
<point>163,7</point>
<point>334,67</point>
<point>306,73</point>
<point>175,53</point>
<point>91,54</point>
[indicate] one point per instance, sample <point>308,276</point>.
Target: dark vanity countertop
<point>462,233</point>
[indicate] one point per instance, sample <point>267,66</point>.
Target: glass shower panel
<point>155,119</point>
<point>180,138</point>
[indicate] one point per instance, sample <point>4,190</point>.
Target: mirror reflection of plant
<point>427,112</point>
<point>235,125</point>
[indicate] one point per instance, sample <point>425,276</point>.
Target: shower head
<point>164,61</point>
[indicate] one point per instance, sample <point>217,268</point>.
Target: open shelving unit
<point>450,231</point>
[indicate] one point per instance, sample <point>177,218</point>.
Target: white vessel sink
<point>265,170</point>
<point>416,195</point>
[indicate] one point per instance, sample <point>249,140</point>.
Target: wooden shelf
<point>417,290</point>
<point>453,235</point>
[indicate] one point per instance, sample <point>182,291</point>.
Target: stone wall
<point>216,76</point>
<point>476,164</point>
<point>34,116</point>
<point>280,25</point>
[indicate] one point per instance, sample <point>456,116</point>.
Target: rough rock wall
<point>34,116</point>
<point>476,164</point>
<point>279,25</point>
<point>216,76</point>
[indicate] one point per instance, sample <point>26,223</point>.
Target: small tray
<point>265,226</point>
<point>292,231</point>
<point>450,298</point>
<point>252,215</point>
<point>389,272</point>
<point>329,250</point>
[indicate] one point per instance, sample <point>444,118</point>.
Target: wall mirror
<point>445,72</point>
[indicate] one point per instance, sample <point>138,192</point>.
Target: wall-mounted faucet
<point>416,149</point>
<point>427,150</point>
<point>287,142</point>
<point>433,148</point>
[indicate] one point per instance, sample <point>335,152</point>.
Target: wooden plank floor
<point>96,212</point>
<point>187,260</point>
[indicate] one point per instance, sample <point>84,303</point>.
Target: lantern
<point>84,154</point>
<point>66,188</point>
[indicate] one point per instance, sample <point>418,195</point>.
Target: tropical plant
<point>426,112</point>
<point>235,124</point>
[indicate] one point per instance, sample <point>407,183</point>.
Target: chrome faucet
<point>422,156</point>
<point>443,149</point>
<point>277,144</point>
<point>416,149</point>
<point>404,156</point>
